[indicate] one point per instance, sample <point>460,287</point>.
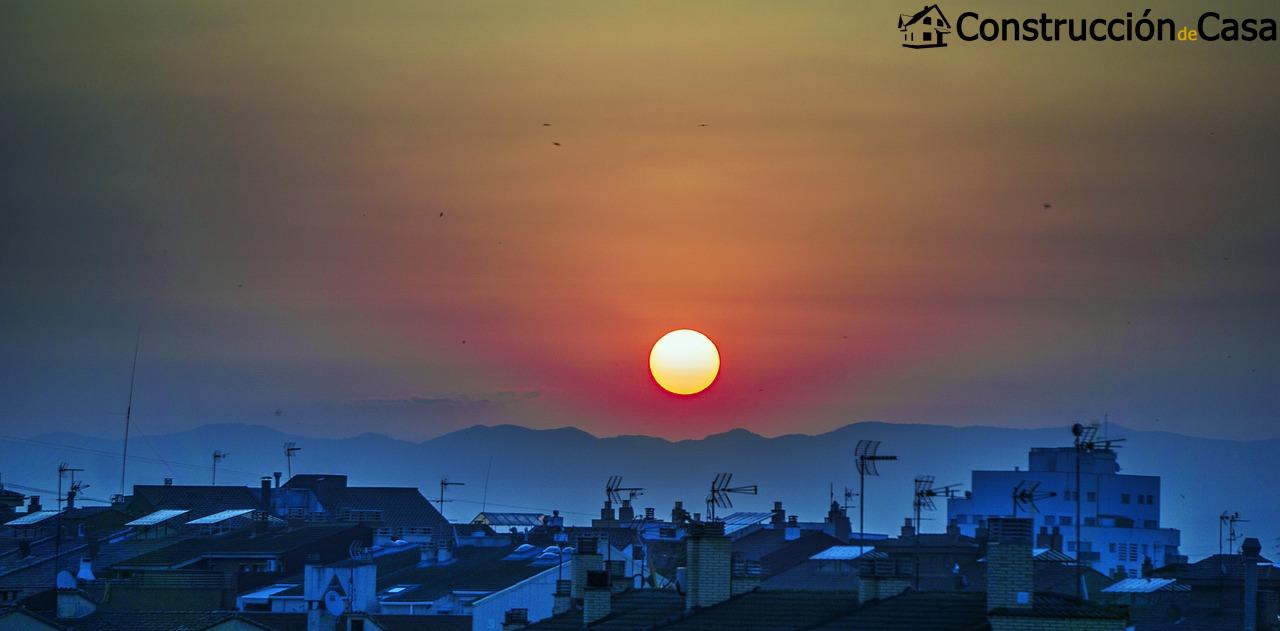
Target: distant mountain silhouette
<point>566,468</point>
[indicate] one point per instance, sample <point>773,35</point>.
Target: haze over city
<point>415,220</point>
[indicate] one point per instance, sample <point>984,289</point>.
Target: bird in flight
<point>1047,205</point>
<point>555,143</point>
<point>546,124</point>
<point>442,213</point>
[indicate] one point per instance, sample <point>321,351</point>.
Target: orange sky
<point>858,226</point>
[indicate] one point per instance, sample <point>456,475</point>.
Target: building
<point>926,28</point>
<point>1119,522</point>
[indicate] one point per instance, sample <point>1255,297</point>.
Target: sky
<point>336,218</point>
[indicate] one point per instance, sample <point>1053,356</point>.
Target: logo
<point>925,29</point>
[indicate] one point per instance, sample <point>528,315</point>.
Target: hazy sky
<point>859,227</point>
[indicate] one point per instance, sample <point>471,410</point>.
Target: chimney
<point>747,576</point>
<point>606,513</point>
<point>626,512</point>
<point>648,514</point>
<point>444,553</point>
<point>277,475</point>
<point>908,530</point>
<point>586,558</point>
<point>881,576</point>
<point>617,571</point>
<point>515,619</point>
<point>677,513</point>
<point>596,598</point>
<point>1010,580</point>
<point>86,571</point>
<point>1250,551</point>
<point>168,481</point>
<point>555,521</point>
<point>779,516</point>
<point>838,523</point>
<point>708,556</point>
<point>34,506</point>
<point>562,599</point>
<point>793,528</point>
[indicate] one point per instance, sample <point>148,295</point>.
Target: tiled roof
<point>793,553</point>
<point>937,611</point>
<point>1045,605</point>
<point>809,575</point>
<point>150,620</point>
<point>769,611</point>
<point>423,623</point>
<point>631,610</point>
<point>199,500</point>
<point>473,569</point>
<point>1214,567</point>
<point>402,507</point>
<point>246,543</point>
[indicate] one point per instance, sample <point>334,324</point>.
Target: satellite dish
<point>65,580</point>
<point>334,604</point>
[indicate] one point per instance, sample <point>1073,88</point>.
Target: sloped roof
<point>199,500</point>
<point>1046,605</point>
<point>769,611</point>
<point>162,515</point>
<point>1145,586</point>
<point>30,519</point>
<point>937,611</point>
<point>243,543</point>
<point>1218,566</point>
<point>795,552</point>
<point>475,569</point>
<point>630,610</point>
<point>916,17</point>
<point>519,520</point>
<point>401,507</point>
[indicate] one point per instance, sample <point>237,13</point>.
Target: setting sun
<point>684,362</point>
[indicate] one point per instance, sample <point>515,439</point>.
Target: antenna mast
<point>291,449</point>
<point>128,411</point>
<point>720,493</point>
<point>444,485</point>
<point>218,456</point>
<point>867,457</point>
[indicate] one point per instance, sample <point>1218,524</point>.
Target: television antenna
<point>358,551</point>
<point>867,456</point>
<point>1086,441</point>
<point>63,470</point>
<point>1026,494</point>
<point>218,456</point>
<point>291,450</point>
<point>444,486</point>
<point>1229,520</point>
<point>848,495</point>
<point>719,497</point>
<point>925,491</point>
<point>613,490</point>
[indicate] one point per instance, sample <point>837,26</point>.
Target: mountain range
<point>511,468</point>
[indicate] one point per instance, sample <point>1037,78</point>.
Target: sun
<point>684,362</point>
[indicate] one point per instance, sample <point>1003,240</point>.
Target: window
<point>1065,520</point>
<point>1111,547</point>
<point>1091,521</point>
<point>928,20</point>
<point>928,36</point>
<point>1092,496</point>
<point>1151,523</point>
<point>1124,498</point>
<point>1071,546</point>
<point>1049,520</point>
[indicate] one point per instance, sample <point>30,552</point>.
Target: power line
<point>113,455</point>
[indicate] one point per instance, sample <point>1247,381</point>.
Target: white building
<point>1119,519</point>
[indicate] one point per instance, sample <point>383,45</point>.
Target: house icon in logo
<point>925,29</point>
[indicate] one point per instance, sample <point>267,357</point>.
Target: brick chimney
<point>1250,552</point>
<point>34,506</point>
<point>908,530</point>
<point>678,513</point>
<point>1010,568</point>
<point>625,512</point>
<point>792,531</point>
<point>586,558</point>
<point>707,560</point>
<point>597,597</point>
<point>881,576</point>
<point>606,513</point>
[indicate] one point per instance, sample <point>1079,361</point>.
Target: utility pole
<point>128,413</point>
